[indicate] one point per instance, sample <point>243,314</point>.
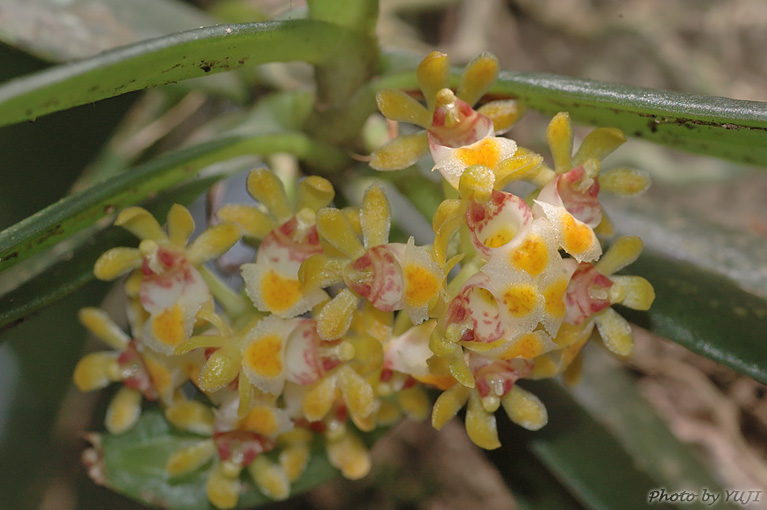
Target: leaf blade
<point>168,59</point>
<point>705,312</point>
<point>728,128</point>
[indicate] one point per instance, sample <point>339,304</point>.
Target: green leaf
<point>704,311</point>
<point>667,226</point>
<point>76,270</point>
<point>170,59</point>
<point>59,31</point>
<point>715,126</point>
<point>134,465</point>
<point>622,409</point>
<point>83,209</point>
<point>580,452</point>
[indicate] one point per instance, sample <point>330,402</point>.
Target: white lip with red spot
<point>504,219</point>
<point>172,296</point>
<point>577,193</point>
<point>587,293</point>
<point>476,311</point>
<point>377,276</point>
<point>168,277</point>
<point>288,245</point>
<point>303,362</point>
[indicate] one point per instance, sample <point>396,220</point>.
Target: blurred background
<point>696,46</point>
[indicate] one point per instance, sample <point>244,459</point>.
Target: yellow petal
<point>318,400</point>
<point>350,456</point>
<point>222,490</point>
<point>460,370</point>
<point>525,409</point>
<point>213,243</point>
<point>559,136</point>
<point>624,181</point>
<point>375,216</point>
<point>294,459</point>
<point>447,228</point>
<point>398,106</point>
<point>637,293</point>
<point>96,370</point>
<point>448,404</point>
<point>480,424</point>
<point>180,225</point>
<point>123,411</point>
<point>200,342</point>
<point>191,416</point>
<point>503,112</point>
<point>335,318</point>
<point>358,394</point>
<point>476,183</point>
<point>519,167</point>
<point>624,251</point>
<point>99,323</point>
<point>432,74</point>
<point>161,376</point>
<point>319,271</point>
<point>253,222</point>
<point>477,77</point>
<point>220,370</point>
<point>335,228</point>
<point>190,458</point>
<point>400,152</point>
<point>314,193</point>
<point>615,332</point>
<point>266,187</point>
<point>139,222</point>
<point>116,262</point>
<point>269,478</point>
<point>599,144</point>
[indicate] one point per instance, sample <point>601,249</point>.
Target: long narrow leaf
<point>60,31</point>
<point>167,60</point>
<point>82,209</point>
<point>705,312</point>
<point>716,126</point>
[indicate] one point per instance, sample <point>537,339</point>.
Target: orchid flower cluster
<point>339,331</point>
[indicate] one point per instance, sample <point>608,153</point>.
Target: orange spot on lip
<point>260,420</point>
<point>485,153</point>
<point>520,300</point>
<point>264,356</point>
<point>279,293</point>
<point>420,285</point>
<point>528,346</point>
<point>555,298</point>
<point>532,256</point>
<point>577,237</point>
<point>168,327</point>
